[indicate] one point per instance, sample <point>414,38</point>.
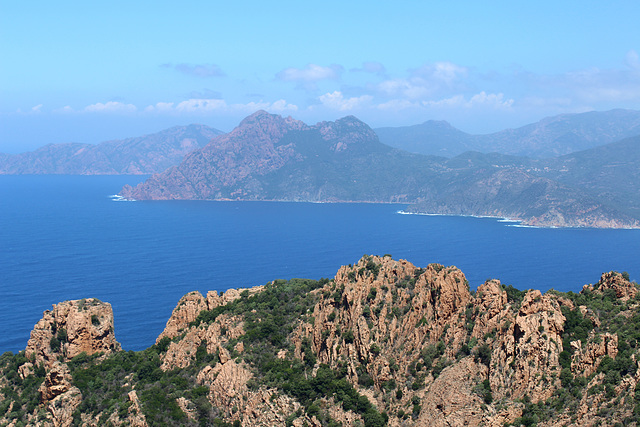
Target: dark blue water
<point>62,237</point>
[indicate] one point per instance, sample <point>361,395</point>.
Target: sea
<point>67,237</point>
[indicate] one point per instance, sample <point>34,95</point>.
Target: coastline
<point>521,223</point>
<point>509,221</point>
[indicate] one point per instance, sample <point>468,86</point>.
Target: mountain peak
<point>269,123</point>
<point>347,132</point>
<point>257,116</point>
<point>438,124</point>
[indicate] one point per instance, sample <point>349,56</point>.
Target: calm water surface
<point>62,237</point>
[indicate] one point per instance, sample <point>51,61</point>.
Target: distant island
<point>382,343</point>
<point>433,168</point>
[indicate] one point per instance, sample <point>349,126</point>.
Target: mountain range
<point>382,343</point>
<point>550,137</point>
<point>142,155</point>
<point>268,157</point>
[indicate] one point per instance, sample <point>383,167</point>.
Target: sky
<point>87,72</point>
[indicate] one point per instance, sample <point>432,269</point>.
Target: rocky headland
<point>382,343</point>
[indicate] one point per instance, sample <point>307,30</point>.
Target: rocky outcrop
<point>615,282</point>
<point>59,396</point>
<point>384,342</point>
<point>451,400</point>
<point>190,306</point>
<point>57,382</point>
<point>182,352</point>
<point>586,359</point>
<point>135,417</point>
<point>531,349</point>
<point>186,312</point>
<point>71,328</point>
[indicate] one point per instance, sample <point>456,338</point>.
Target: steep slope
<point>142,155</point>
<point>522,194</point>
<point>609,172</point>
<point>383,343</point>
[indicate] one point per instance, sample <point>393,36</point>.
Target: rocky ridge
<point>71,328</point>
<point>383,342</point>
<point>549,137</point>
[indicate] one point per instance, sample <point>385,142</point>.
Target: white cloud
<point>453,101</point>
<point>409,88</point>
<point>370,67</point>
<point>483,99</point>
<point>64,110</point>
<point>312,73</point>
<point>160,107</point>
<point>281,105</point>
<point>204,106</point>
<point>33,110</point>
<point>446,72</point>
<point>427,81</point>
<point>200,105</point>
<point>110,107</point>
<point>198,70</point>
<point>633,60</point>
<point>495,100</point>
<point>337,101</point>
<point>398,105</point>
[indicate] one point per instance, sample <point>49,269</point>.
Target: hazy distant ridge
<point>550,137</point>
<point>141,155</point>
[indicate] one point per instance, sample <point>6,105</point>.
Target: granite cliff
<point>382,343</point>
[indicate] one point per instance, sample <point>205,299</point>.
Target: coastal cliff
<point>382,343</point>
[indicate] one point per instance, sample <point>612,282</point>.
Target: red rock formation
<point>416,343</point>
<point>70,328</point>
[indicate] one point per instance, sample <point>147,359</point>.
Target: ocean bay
<point>63,237</point>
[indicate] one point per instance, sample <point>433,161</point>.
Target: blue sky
<point>93,71</point>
